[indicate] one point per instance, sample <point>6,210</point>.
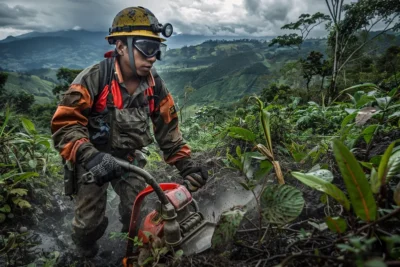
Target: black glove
<point>194,177</point>
<point>103,167</point>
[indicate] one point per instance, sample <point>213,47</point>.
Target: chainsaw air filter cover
<point>179,197</point>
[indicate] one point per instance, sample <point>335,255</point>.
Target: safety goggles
<point>150,48</point>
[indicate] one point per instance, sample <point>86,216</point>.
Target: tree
<point>188,90</point>
<point>390,61</point>
<point>65,77</point>
<point>304,25</point>
<point>3,80</point>
<point>22,101</point>
<point>351,34</point>
<point>351,29</point>
<point>312,66</point>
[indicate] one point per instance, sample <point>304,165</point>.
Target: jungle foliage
<point>311,130</point>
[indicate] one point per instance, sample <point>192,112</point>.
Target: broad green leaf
<point>364,100</point>
<point>28,126</point>
<point>248,186</point>
<point>226,228</point>
<point>367,165</point>
<point>368,132</point>
<point>348,119</point>
<point>366,86</point>
<point>374,181</point>
<point>247,168</point>
<point>32,163</point>
<point>25,175</point>
<point>17,177</point>
<point>45,143</point>
<point>376,160</point>
<point>265,167</point>
<point>19,191</point>
<point>336,224</point>
<point>360,193</point>
<point>323,186</point>
<point>395,115</point>
<point>21,203</point>
<point>241,133</point>
<point>393,167</point>
<point>5,209</point>
<point>393,92</point>
<point>396,195</point>
<point>351,112</point>
<point>383,101</point>
<point>281,203</point>
<point>394,107</point>
<point>384,166</point>
<point>235,162</point>
<point>2,217</point>
<point>265,119</point>
<point>322,174</point>
<point>238,151</point>
<point>324,198</point>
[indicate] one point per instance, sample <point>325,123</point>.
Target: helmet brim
<point>138,33</point>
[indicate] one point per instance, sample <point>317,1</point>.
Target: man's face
<point>144,52</point>
<point>143,64</point>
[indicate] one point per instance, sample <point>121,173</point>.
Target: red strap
<point>116,93</point>
<point>101,103</point>
<point>150,93</point>
<point>108,54</point>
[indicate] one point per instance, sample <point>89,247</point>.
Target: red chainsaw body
<point>153,223</point>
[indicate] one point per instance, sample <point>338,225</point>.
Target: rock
<point>23,229</point>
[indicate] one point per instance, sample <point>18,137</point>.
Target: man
<point>105,114</point>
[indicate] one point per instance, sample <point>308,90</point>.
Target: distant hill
<point>41,89</point>
<point>224,71</point>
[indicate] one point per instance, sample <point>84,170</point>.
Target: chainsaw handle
<point>146,176</point>
<point>88,178</point>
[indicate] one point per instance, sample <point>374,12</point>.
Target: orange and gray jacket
<point>85,123</point>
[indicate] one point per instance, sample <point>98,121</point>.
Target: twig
<point>249,247</point>
<point>287,260</point>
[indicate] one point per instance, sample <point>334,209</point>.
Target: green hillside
<point>224,71</point>
<point>41,89</point>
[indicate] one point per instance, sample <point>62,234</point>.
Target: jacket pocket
<point>131,128</point>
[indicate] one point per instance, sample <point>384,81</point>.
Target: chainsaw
<point>177,221</point>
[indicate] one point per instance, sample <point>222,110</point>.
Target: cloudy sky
<point>207,17</point>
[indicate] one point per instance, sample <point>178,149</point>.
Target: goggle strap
<point>130,53</point>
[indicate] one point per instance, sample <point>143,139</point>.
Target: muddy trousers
<point>89,222</point>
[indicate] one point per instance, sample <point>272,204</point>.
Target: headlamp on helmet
<point>166,30</point>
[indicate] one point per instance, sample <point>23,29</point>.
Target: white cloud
<point>207,17</point>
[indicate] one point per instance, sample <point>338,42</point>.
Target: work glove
<point>194,177</point>
<point>103,167</point>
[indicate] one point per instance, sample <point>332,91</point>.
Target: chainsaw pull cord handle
<point>147,177</point>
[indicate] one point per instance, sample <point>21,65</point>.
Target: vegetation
<point>310,129</point>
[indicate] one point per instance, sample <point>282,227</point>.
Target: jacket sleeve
<point>166,128</point>
<point>69,124</point>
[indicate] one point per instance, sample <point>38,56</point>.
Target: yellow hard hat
<point>138,21</point>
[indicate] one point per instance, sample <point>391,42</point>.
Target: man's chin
<point>143,73</point>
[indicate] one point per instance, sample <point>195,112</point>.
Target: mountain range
<point>72,48</point>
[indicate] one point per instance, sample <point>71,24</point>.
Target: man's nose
<point>152,59</point>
